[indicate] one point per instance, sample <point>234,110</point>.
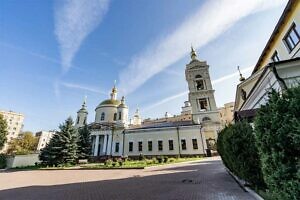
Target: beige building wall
<point>226,113</point>
<point>14,125</point>
<point>175,118</point>
<point>44,138</point>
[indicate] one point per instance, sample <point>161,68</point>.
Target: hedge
<point>236,145</point>
<point>277,130</point>
<point>2,161</point>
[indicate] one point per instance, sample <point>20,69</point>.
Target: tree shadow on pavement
<point>199,181</point>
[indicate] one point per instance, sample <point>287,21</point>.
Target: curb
<point>242,185</point>
<point>174,163</point>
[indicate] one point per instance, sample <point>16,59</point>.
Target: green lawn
<point>136,164</point>
<point>129,164</point>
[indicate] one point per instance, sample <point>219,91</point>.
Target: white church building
<point>114,135</point>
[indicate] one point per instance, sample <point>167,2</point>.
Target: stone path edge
<point>242,185</point>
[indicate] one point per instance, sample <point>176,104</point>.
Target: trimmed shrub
<point>2,161</point>
<point>277,130</point>
<point>108,162</point>
<point>236,145</point>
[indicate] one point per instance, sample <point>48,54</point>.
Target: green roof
<point>110,102</point>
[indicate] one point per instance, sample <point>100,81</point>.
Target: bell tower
<point>81,119</point>
<point>201,93</point>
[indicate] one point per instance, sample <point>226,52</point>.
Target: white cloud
<point>214,82</point>
<point>74,20</point>
<point>82,87</point>
<point>211,20</point>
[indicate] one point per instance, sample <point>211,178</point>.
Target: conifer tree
<point>62,148</point>
<point>84,142</point>
<point>277,131</point>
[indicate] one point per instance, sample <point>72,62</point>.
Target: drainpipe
<point>179,151</point>
<point>123,146</point>
<point>280,80</point>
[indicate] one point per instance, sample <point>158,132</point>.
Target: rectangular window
<point>183,144</point>
<point>275,57</point>
<point>149,145</point>
<point>117,147</point>
<point>292,38</point>
<point>195,144</point>
<point>171,145</point>
<point>160,145</point>
<point>140,146</point>
<point>130,146</point>
<point>203,104</point>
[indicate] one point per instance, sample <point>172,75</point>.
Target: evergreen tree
<point>277,130</point>
<point>84,142</point>
<point>62,148</point>
<point>3,131</point>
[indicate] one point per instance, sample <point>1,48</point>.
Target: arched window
<point>77,121</point>
<point>115,116</point>
<point>200,83</point>
<point>206,119</point>
<point>120,115</point>
<point>102,116</point>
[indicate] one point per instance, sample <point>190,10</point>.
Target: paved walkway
<point>206,179</point>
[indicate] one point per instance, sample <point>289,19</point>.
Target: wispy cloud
<point>211,20</point>
<point>82,87</point>
<point>74,20</point>
<point>38,55</point>
<point>214,82</point>
<point>229,76</point>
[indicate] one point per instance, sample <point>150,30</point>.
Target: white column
<point>109,145</point>
<point>96,146</point>
<point>105,143</point>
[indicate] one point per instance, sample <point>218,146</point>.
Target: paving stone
<point>206,179</point>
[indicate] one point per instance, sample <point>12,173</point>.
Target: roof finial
<point>84,101</point>
<point>114,89</point>
<point>123,100</point>
<point>193,53</point>
<point>241,76</point>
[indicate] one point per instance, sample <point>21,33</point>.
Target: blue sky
<point>53,53</point>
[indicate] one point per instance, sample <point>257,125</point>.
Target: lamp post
<point>201,135</point>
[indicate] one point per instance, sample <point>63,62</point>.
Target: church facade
<point>114,135</point>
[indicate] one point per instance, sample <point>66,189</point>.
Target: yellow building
<point>14,125</point>
<point>226,113</point>
<point>278,66</point>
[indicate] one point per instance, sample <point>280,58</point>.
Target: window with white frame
<point>275,57</point>
<point>102,116</point>
<point>292,38</point>
<point>160,145</point>
<point>130,147</point>
<point>171,145</point>
<point>140,146</point>
<point>117,147</point>
<point>149,145</point>
<point>195,143</point>
<point>183,144</point>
